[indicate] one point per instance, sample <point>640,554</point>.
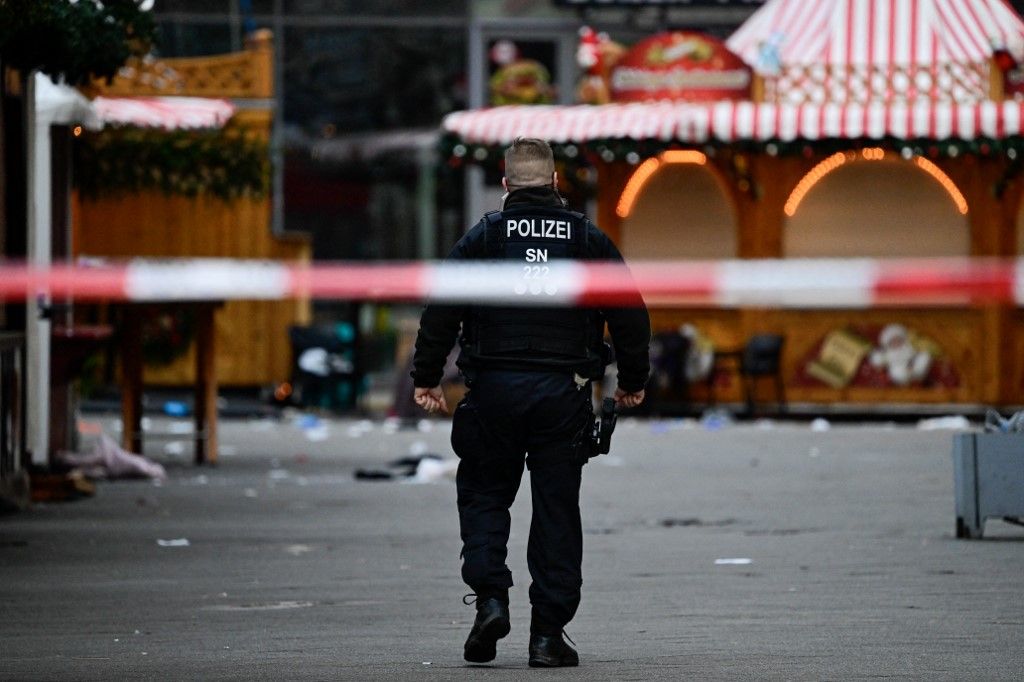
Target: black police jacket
<point>440,325</point>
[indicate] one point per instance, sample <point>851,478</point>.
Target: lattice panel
<point>247,74</point>
<point>821,83</point>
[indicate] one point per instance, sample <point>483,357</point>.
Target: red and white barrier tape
<point>768,283</point>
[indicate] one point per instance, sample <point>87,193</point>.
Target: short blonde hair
<point>529,162</point>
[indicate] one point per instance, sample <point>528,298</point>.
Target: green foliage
<point>183,162</point>
<point>78,40</point>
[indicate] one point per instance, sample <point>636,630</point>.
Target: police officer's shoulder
<point>599,244</point>
<point>470,245</point>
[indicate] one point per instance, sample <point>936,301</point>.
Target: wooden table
<point>131,317</point>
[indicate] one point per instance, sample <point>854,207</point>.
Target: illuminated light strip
<point>684,156</point>
<point>636,182</point>
<point>796,283</point>
<point>810,180</point>
<point>946,182</point>
<point>818,173</point>
<point>648,168</point>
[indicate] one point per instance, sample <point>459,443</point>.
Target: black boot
<point>551,651</point>
<point>491,624</point>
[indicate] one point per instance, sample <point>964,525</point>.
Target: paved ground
<point>294,570</point>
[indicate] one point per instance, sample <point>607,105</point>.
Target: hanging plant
<point>183,162</point>
<point>77,40</point>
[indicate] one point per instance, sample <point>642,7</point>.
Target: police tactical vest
<point>504,335</point>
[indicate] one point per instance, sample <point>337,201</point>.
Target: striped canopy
<point>169,113</point>
<point>731,121</point>
<point>876,33</point>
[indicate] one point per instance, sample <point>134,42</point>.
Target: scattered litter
<point>995,423</point>
<point>181,427</point>
<point>146,423</point>
<point>426,662</point>
<point>298,550</point>
<point>374,475</point>
<point>176,542</point>
<point>733,562</point>
<point>175,408</point>
<point>278,474</point>
<point>693,521</point>
<point>423,468</point>
<point>949,423</point>
<point>418,448</point>
<point>264,424</point>
<point>715,420</point>
<point>175,447</point>
<point>269,606</point>
<point>109,460</point>
<point>307,421</point>
<point>302,481</point>
<point>820,424</point>
<point>317,434</point>
<point>764,424</point>
<point>201,479</point>
<point>251,492</point>
<point>391,425</point>
<point>432,470</point>
<point>424,426</point>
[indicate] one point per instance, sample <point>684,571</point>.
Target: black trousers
<point>508,419</point>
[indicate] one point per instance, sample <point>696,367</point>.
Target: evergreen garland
<point>182,162</point>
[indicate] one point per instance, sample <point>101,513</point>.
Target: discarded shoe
<point>551,651</point>
<point>492,623</point>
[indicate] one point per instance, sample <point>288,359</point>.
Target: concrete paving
<point>294,570</point>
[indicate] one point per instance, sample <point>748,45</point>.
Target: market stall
<point>881,129</point>
<point>183,171</point>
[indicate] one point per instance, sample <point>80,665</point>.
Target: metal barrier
<point>12,403</point>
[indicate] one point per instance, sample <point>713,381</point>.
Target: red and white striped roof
<point>878,32</point>
<point>732,121</point>
<point>169,113</point>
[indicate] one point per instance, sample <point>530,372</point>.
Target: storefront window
<point>345,80</point>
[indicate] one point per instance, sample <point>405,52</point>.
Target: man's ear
<point>504,183</point>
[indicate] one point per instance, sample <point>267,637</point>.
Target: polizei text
<point>539,228</point>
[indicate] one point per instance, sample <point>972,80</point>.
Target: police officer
<point>528,371</point>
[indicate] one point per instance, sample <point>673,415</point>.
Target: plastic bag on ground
<point>109,460</point>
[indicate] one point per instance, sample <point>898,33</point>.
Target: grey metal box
<point>988,472</point>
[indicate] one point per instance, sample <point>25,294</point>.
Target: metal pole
<point>37,329</point>
<point>277,131</point>
<point>426,202</point>
<point>235,24</point>
<point>476,65</point>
